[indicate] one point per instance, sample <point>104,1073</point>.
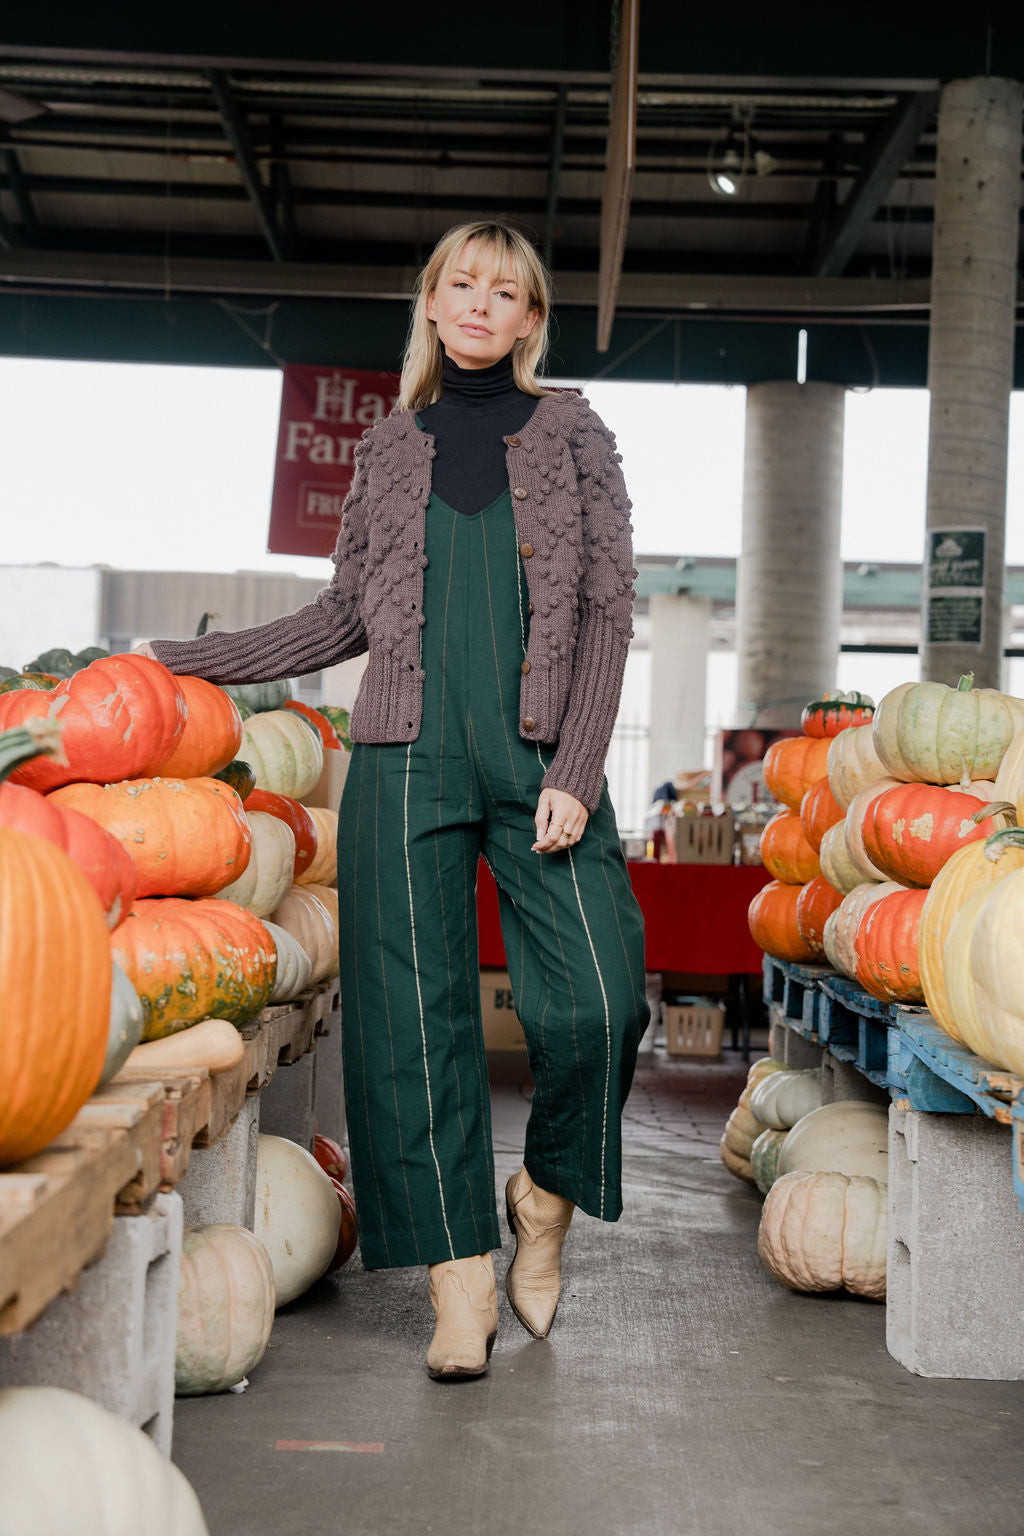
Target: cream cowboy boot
<point>465,1303</point>
<point>540,1222</point>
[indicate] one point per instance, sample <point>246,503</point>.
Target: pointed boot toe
<point>539,1222</point>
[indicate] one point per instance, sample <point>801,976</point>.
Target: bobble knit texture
<point>574,516</point>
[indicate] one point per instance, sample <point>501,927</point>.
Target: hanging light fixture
<point>732,153</point>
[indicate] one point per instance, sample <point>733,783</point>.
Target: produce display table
<point>132,1139</point>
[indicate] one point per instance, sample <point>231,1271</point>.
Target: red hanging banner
<point>324,413</point>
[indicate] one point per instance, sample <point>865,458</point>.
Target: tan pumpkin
<point>854,824</point>
<point>284,752</point>
<point>212,1043</point>
<point>836,864</point>
<point>961,1018</point>
<point>1009,784</point>
<point>268,876</point>
<point>997,970</point>
<point>324,868</point>
<point>226,1301</point>
<point>825,1231</point>
<point>939,735</point>
<point>294,967</point>
<point>970,869</point>
<point>309,921</point>
<point>842,927</point>
<point>853,763</point>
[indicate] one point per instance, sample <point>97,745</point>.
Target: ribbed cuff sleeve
<point>306,641</point>
<point>578,765</point>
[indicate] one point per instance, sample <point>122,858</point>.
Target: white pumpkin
<point>324,868</point>
<point>309,921</point>
<point>69,1466</point>
<point>265,882</point>
<point>226,1301</point>
<point>848,1137</point>
<point>836,865</point>
<point>853,763</point>
<point>841,938</point>
<point>854,827</point>
<point>294,967</point>
<point>783,1098</point>
<point>284,753</point>
<point>298,1216</point>
<point>822,1231</point>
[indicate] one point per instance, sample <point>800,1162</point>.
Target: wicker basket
<point>694,1028</point>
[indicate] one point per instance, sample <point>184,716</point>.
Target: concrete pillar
<point>679,664</point>
<point>970,375</point>
<point>789,588</point>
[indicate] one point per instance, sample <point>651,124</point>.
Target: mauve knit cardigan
<point>572,518</point>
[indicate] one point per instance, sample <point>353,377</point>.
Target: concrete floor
<point>681,1393</point>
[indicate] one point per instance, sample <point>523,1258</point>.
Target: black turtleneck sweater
<point>478,409</point>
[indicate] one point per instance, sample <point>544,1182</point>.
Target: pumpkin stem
<point>966,683</point>
<point>37,737</point>
<point>996,808</point>
<point>997,844</point>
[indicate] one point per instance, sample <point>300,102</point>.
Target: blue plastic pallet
<point>940,1076</point>
<point>856,1027</point>
<point>795,990</point>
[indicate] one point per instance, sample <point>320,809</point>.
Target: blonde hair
<point>424,352</point>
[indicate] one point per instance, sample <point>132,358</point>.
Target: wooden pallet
<point>935,1073</point>
<point>857,1027</point>
<point>795,990</point>
<point>57,1208</point>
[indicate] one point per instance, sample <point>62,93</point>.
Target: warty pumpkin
<point>937,735</point>
<point>886,947</point>
<point>121,717</point>
<point>792,765</point>
<point>186,837</point>
<point>772,920</point>
<point>785,852</point>
<point>192,960</point>
<point>911,830</point>
<point>212,734</point>
<point>55,1000</point>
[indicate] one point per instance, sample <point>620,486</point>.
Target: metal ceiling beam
<point>887,153</point>
<point>19,191</point>
<point>238,137</point>
<point>672,292</point>
<point>555,173</point>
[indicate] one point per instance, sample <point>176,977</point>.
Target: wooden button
<point>529,608</point>
<point>513,442</point>
<point>526,550</point>
<point>529,725</point>
<point>520,492</point>
<point>525,667</point>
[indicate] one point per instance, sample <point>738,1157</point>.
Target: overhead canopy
<point>250,185</point>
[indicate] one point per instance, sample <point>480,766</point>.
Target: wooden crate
<point>704,839</point>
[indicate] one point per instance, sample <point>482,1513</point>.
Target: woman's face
<point>479,313</point>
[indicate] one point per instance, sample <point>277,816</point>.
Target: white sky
<point>159,467</point>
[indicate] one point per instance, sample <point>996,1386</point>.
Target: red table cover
<point>695,916</point>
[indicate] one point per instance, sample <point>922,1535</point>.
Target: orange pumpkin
<point>192,960</point>
<point>836,712</point>
<point>792,765</point>
<point>815,904</point>
<point>55,1002</point>
<point>819,810</point>
<point>886,946</point>
<point>911,830</point>
<point>186,837</point>
<point>121,716</point>
<point>773,925</point>
<point>785,852</point>
<point>212,734</point>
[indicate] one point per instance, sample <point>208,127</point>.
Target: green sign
<point>954,620</point>
<point>956,558</point>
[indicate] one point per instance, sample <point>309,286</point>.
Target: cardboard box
<point>694,1028</point>
<point>327,790</point>
<point>502,1029</point>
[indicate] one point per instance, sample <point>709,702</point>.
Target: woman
<point>484,561</point>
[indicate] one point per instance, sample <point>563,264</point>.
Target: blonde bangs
<point>511,254</point>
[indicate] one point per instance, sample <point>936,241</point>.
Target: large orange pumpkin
<point>886,945</point>
<point>819,810</point>
<point>792,765</point>
<point>773,925</point>
<point>911,830</point>
<point>192,960</point>
<point>121,716</point>
<point>212,734</point>
<point>815,904</point>
<point>785,852</point>
<point>186,837</point>
<point>55,999</point>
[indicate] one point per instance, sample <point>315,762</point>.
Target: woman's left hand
<point>560,820</point>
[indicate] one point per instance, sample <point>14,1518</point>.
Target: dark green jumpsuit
<point>415,818</point>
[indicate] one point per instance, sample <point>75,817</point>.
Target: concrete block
<point>288,1101</point>
<point>841,1080</point>
<point>956,1248</point>
<point>797,1051</point>
<point>220,1184</point>
<point>113,1338</point>
<point>329,1094</point>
